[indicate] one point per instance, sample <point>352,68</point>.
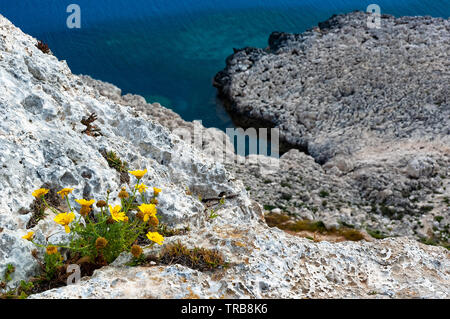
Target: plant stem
<point>68,204</point>
<point>48,206</point>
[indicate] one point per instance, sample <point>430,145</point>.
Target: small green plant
<point>21,292</point>
<point>375,233</point>
<point>426,208</point>
<point>10,269</point>
<point>115,162</point>
<point>165,231</point>
<point>286,196</point>
<point>53,261</point>
<point>274,220</point>
<point>350,234</point>
<point>305,225</point>
<point>189,193</point>
<point>197,258</point>
<point>346,224</point>
<point>212,212</point>
<point>438,218</point>
<point>440,239</point>
<point>285,184</point>
<point>99,236</point>
<point>323,193</point>
<point>428,241</point>
<point>269,207</point>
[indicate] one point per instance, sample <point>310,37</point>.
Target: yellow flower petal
<point>115,209</point>
<point>65,219</point>
<point>155,237</point>
<point>138,173</point>
<point>28,236</point>
<point>141,188</point>
<point>40,192</point>
<point>156,191</point>
<point>65,191</point>
<point>116,214</point>
<point>84,202</point>
<point>148,209</point>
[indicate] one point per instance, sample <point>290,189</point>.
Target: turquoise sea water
<point>169,51</point>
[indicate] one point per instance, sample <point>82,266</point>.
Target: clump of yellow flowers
<point>100,235</point>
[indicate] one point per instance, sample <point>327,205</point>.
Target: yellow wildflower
<point>155,237</point>
<point>148,210</point>
<point>65,191</point>
<point>51,250</point>
<point>65,219</point>
<point>38,193</point>
<point>28,236</point>
<point>84,202</point>
<point>138,173</point>
<point>141,188</point>
<point>116,214</point>
<point>85,206</point>
<point>156,191</point>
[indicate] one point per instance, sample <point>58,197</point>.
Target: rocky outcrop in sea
<point>43,142</point>
<point>371,108</point>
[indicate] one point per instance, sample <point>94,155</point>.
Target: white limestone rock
<point>41,105</point>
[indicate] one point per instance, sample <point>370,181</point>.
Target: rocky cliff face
<point>42,143</point>
<point>370,106</point>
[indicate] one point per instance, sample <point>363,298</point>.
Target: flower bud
<point>85,210</point>
<point>101,243</point>
<point>101,203</point>
<point>51,250</point>
<point>123,193</point>
<point>136,251</point>
<point>153,221</point>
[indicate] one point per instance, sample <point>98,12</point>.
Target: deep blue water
<point>169,50</point>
